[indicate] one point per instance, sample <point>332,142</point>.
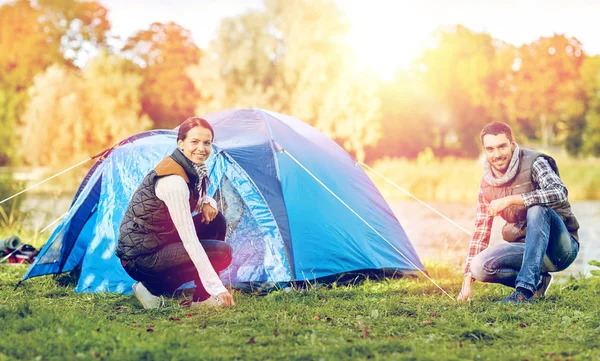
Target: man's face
<point>498,150</point>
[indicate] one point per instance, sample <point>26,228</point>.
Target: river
<point>438,240</point>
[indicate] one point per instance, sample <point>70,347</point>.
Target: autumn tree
<point>590,78</point>
<point>81,27</point>
<point>34,35</point>
<point>292,58</point>
<point>26,48</point>
<point>164,52</point>
<point>466,75</point>
<point>407,120</point>
<point>547,95</point>
<point>76,115</point>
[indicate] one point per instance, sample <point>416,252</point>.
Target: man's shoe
<point>516,297</point>
<point>543,285</point>
<point>212,301</point>
<point>147,299</point>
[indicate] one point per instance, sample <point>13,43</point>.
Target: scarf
<point>202,172</point>
<point>495,178</point>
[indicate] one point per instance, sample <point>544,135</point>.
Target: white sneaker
<point>147,299</point>
<point>212,301</point>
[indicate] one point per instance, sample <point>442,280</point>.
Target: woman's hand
<point>226,299</point>
<point>208,213</point>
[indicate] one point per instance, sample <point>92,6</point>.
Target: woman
<point>159,239</point>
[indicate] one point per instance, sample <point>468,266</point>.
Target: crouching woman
<point>161,245</point>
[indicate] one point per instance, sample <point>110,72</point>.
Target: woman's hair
<point>193,122</point>
<point>495,128</point>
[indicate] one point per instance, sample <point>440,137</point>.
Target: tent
<point>298,207</point>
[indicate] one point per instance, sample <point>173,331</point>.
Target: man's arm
<point>552,190</point>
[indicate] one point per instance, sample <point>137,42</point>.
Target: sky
<point>386,33</point>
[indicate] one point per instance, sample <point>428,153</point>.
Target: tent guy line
<point>366,223</point>
<point>415,198</point>
<point>47,179</point>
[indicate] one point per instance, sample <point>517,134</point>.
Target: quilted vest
<point>516,216</point>
<point>147,226</point>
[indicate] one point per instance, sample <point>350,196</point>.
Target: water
<point>435,239</point>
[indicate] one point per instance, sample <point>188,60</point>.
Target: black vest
<point>516,216</point>
<point>147,226</point>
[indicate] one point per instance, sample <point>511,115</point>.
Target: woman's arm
<point>173,190</point>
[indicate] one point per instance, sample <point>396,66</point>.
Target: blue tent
<point>298,207</point>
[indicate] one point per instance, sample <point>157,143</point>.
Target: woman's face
<point>196,145</point>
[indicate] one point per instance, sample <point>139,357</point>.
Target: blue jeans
<point>548,247</point>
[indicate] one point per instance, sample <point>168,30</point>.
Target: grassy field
<point>401,319</point>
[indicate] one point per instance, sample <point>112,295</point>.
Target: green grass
<point>401,319</point>
<point>457,179</point>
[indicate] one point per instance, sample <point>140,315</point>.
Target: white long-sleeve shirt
<point>173,190</point>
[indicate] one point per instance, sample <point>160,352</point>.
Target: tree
<point>26,48</point>
<point>466,74</point>
<point>34,35</point>
<point>80,27</point>
<point>546,93</point>
<point>590,78</point>
<point>74,116</point>
<point>292,58</point>
<point>407,125</point>
<point>165,51</point>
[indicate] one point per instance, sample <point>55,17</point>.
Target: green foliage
<point>294,57</point>
<point>8,187</point>
<point>590,78</point>
<point>595,272</point>
<point>405,319</point>
<point>466,76</point>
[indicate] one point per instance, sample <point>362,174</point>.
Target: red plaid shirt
<point>550,190</point>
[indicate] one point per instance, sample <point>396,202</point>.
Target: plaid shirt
<point>550,190</point>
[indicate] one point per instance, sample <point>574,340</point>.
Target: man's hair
<point>495,128</point>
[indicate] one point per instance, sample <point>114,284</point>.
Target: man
<point>523,187</point>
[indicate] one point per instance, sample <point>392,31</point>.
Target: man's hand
<point>226,299</point>
<point>498,205</point>
<point>465,291</point>
<point>208,213</point>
